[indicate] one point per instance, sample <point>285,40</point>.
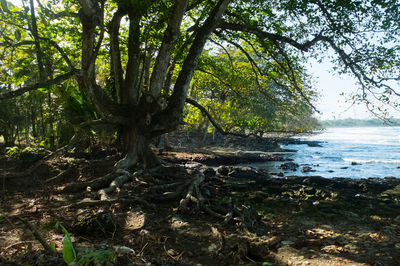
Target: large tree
<point>135,59</point>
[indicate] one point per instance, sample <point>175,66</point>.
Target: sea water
<point>353,152</point>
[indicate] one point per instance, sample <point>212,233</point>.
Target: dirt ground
<point>244,216</point>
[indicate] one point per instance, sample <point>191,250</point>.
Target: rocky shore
<point>247,215</point>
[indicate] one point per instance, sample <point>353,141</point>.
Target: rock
<point>208,172</point>
<point>100,223</point>
<point>243,172</point>
<point>341,240</point>
<point>351,247</point>
<point>355,163</point>
<point>194,165</point>
<point>307,169</point>
<point>258,249</point>
<point>287,243</point>
<point>121,250</point>
<point>330,249</point>
<point>330,171</point>
<point>289,166</point>
<point>223,170</point>
<point>344,167</point>
<point>212,248</point>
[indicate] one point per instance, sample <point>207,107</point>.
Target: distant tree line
<point>350,122</point>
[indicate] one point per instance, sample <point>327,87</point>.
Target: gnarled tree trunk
<point>137,148</point>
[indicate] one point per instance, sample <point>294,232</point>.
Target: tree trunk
<point>138,151</point>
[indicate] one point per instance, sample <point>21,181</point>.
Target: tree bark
<point>170,118</point>
<point>138,151</point>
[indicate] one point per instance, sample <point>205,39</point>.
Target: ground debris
<point>192,214</point>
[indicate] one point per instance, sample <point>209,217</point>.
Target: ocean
<point>353,152</point>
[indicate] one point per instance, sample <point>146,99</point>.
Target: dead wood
<point>36,234</point>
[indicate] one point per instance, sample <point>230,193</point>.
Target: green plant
<point>69,254</point>
<point>12,151</point>
<point>86,256</point>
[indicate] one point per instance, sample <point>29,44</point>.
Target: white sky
<point>330,85</point>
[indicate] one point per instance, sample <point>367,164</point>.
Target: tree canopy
<point>133,64</point>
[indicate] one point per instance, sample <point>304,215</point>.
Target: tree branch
<point>163,58</point>
<point>172,114</point>
<point>211,119</point>
<point>130,93</point>
<point>271,36</point>
<point>115,52</point>
<point>41,84</point>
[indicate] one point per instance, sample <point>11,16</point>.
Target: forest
<point>127,127</point>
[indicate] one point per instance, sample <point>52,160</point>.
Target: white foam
<point>371,161</point>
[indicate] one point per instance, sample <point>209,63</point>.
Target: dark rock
<point>317,180</point>
<point>243,172</point>
<point>289,166</point>
<point>330,171</point>
<point>307,169</point>
<point>100,223</point>
<point>280,174</point>
<point>223,170</point>
<point>344,167</point>
<point>355,163</point>
<point>209,172</point>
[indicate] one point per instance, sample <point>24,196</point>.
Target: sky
<point>330,85</point>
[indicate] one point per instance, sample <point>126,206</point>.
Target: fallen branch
<point>36,234</point>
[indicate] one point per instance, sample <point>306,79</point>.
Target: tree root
<point>116,183</point>
<point>61,175</point>
<point>98,183</point>
<point>89,202</point>
<point>37,235</point>
<point>193,194</point>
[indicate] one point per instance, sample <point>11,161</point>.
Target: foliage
<point>85,256</point>
<point>69,254</point>
<point>27,155</point>
<point>242,99</point>
<point>130,64</point>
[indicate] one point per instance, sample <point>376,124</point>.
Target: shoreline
<point>252,217</point>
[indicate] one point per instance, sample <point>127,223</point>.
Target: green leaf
<point>17,34</point>
<point>53,246</point>
<point>68,251</point>
<point>4,6</point>
<point>267,264</point>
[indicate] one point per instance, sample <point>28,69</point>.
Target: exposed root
<point>61,175</point>
<point>216,233</point>
<point>129,161</point>
<point>116,183</point>
<point>98,183</point>
<point>193,194</point>
<point>181,186</point>
<point>89,202</point>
